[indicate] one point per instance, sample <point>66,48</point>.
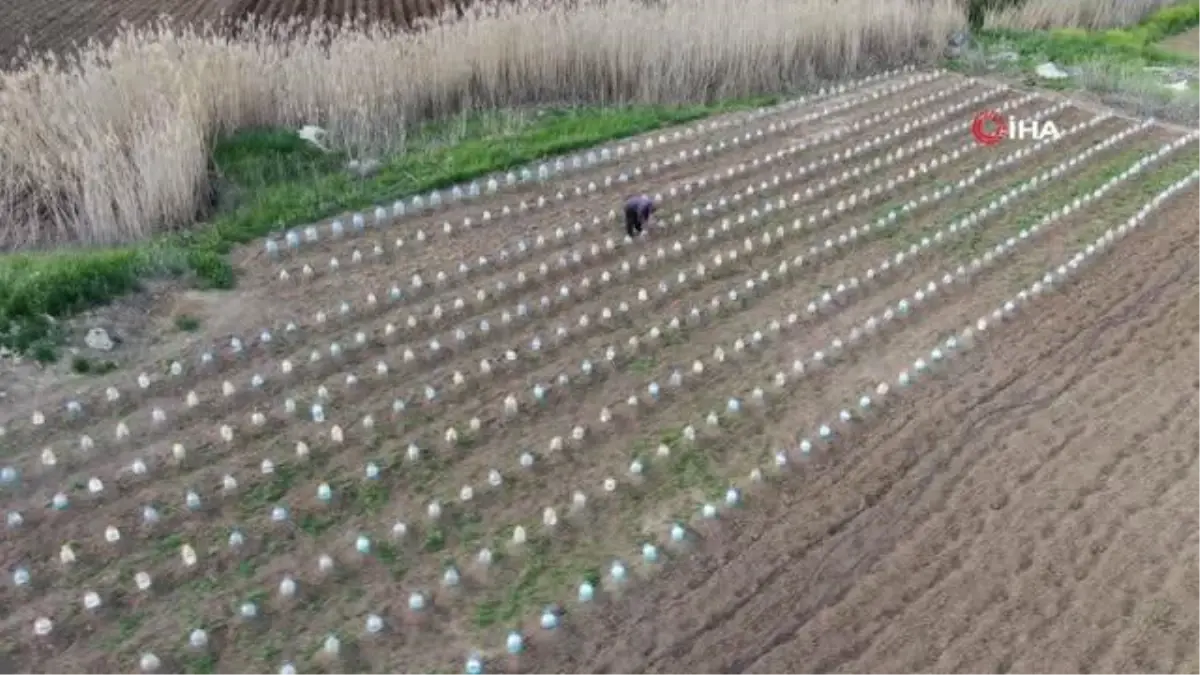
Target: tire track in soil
<point>1107,613</point>
<point>1161,616</point>
<point>1101,548</point>
<point>1101,552</point>
<point>666,626</point>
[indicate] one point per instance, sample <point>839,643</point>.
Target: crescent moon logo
<point>989,128</point>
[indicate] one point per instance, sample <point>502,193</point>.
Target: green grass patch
<point>82,365</point>
<point>541,581</point>
<point>1136,45</point>
<point>1070,46</point>
<point>642,366</point>
<point>1129,68</point>
<point>269,180</point>
<point>187,323</point>
<point>1119,208</point>
<point>979,240</point>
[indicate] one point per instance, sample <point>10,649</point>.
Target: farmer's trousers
<point>633,221</point>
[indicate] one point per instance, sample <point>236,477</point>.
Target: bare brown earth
<point>1023,511</point>
<point>58,25</point>
<point>1034,511</point>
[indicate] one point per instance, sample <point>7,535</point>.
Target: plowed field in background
<point>55,24</point>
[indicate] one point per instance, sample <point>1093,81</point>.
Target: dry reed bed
<point>116,143</point>
<point>112,144</point>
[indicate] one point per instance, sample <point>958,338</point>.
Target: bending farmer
<point>638,211</point>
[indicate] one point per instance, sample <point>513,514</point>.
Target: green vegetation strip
<point>978,241</point>
<point>1124,205</point>
<point>1135,45</point>
<point>276,181</point>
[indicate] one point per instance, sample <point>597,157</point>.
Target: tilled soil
<point>60,27</point>
<point>760,316</point>
<point>1034,510</point>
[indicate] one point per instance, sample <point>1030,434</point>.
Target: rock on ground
<point>98,339</point>
<point>1051,71</point>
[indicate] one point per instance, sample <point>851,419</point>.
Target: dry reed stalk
<point>112,144</point>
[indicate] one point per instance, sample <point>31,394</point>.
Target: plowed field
<point>400,12</point>
<point>868,396</point>
<point>58,25</point>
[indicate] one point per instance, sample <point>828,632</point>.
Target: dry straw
<point>113,144</point>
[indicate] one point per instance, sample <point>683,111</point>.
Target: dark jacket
<point>640,205</point>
